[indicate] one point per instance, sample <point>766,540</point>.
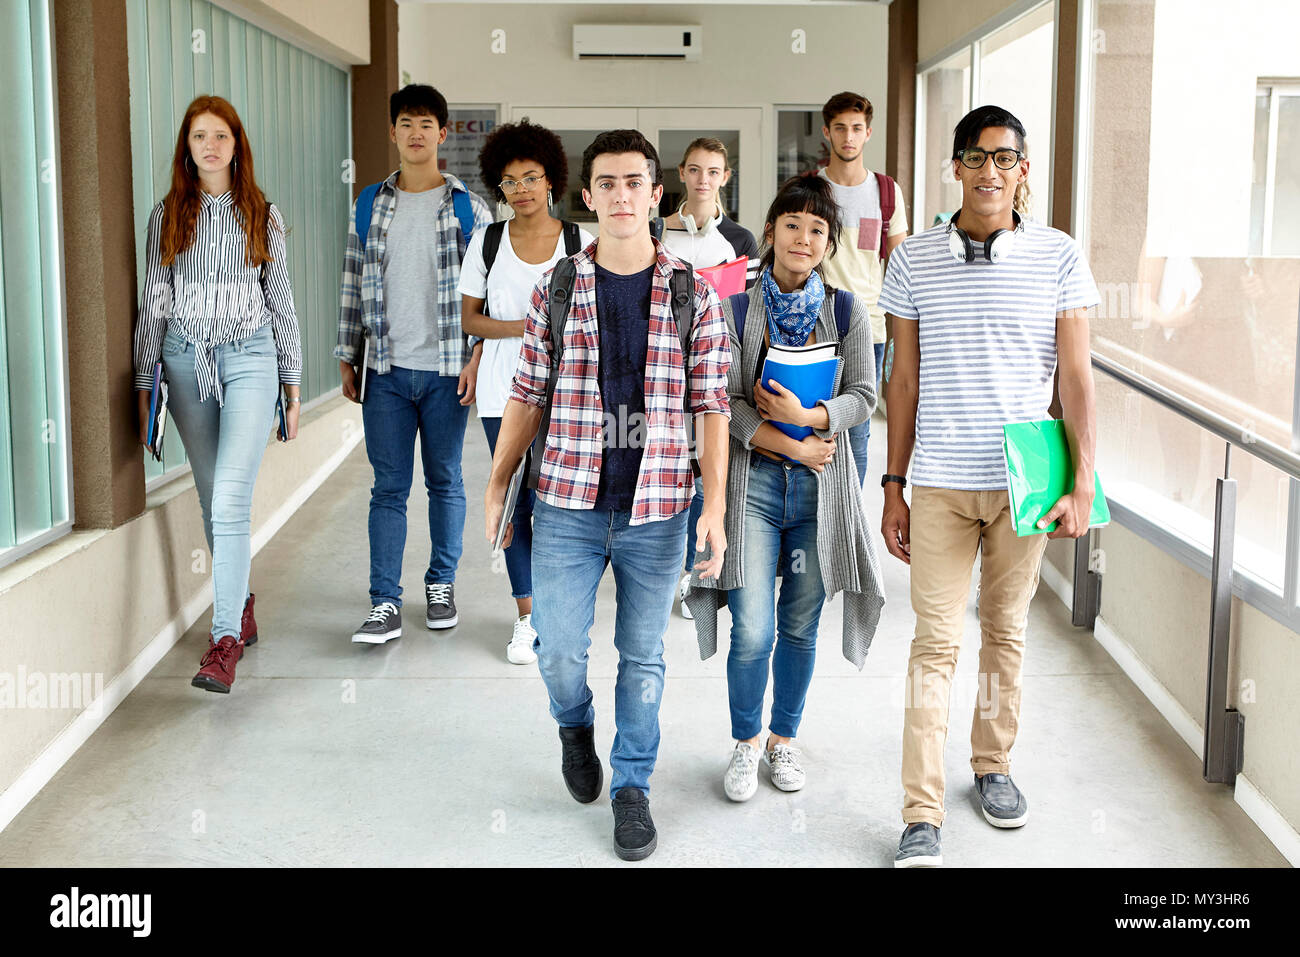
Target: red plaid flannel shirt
<point>570,471</point>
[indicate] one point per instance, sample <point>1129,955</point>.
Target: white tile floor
<point>434,750</point>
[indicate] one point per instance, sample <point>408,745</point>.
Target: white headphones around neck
<point>688,221</point>
<point>996,248</point>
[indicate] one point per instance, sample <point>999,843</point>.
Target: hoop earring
<point>187,163</point>
<point>550,200</point>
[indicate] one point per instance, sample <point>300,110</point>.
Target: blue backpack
<point>366,204</point>
<point>843,307</point>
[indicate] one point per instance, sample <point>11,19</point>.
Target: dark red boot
<point>217,669</point>
<point>248,624</point>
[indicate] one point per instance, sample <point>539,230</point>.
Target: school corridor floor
<point>434,750</point>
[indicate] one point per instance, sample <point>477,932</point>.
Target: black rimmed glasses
<point>510,186</point>
<point>975,158</point>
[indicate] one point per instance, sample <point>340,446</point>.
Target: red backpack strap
<point>887,206</point>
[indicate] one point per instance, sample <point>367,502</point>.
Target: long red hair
<point>181,205</point>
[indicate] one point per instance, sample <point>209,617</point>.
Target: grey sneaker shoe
<point>385,622</point>
<point>787,772</point>
<point>1001,800</point>
<point>919,847</point>
<point>441,610</point>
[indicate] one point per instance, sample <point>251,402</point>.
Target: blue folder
<point>808,372</point>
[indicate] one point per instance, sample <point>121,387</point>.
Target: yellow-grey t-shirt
<point>856,265</point>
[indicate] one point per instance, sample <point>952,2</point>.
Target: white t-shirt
<point>988,344</point>
<point>508,291</point>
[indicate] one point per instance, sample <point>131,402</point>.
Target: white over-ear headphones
<point>996,248</point>
<point>688,221</point>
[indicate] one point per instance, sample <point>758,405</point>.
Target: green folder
<point>1040,471</point>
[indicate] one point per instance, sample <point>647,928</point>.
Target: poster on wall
<point>467,129</point>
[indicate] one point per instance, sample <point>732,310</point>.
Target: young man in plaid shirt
<point>401,270</point>
<point>616,479</point>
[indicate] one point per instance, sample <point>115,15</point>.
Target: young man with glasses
<point>984,310</point>
<point>616,478</point>
<point>872,224</point>
<point>400,308</point>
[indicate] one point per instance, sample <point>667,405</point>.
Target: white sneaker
<point>682,591</point>
<point>520,649</point>
<point>783,760</point>
<point>741,780</point>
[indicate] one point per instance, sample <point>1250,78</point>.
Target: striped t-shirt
<point>988,344</point>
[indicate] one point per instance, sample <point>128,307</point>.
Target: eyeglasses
<point>975,158</point>
<point>509,186</point>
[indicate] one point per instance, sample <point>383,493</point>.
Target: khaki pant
<point>948,527</point>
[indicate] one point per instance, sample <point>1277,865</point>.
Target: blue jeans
<point>859,434</point>
<point>225,446</point>
<point>571,549</point>
<point>519,556</point>
<point>780,536</point>
<point>399,405</point>
<point>697,506</point>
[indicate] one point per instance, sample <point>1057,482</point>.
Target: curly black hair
<point>523,140</point>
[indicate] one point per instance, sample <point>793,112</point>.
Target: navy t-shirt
<point>623,318</point>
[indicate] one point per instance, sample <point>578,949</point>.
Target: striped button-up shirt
<point>570,472</point>
<point>361,296</point>
<point>211,296</point>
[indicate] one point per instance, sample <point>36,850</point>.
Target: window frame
<point>1276,89</point>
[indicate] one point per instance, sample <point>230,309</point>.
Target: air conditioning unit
<point>637,41</point>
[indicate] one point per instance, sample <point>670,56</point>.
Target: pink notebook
<point>727,278</point>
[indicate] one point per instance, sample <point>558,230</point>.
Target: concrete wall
<point>941,22</point>
<point>338,29</point>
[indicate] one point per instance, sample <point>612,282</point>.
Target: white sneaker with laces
<point>683,590</point>
<point>741,780</point>
<point>787,774</point>
<point>520,649</point>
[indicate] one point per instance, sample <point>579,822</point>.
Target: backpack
<point>366,205</point>
<point>492,243</point>
<point>843,308</point>
<point>886,212</point>
<point>563,278</point>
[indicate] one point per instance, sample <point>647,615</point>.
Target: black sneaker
<point>583,774</point>
<point>385,622</point>
<point>634,832</point>
<point>919,846</point>
<point>1001,800</point>
<point>441,610</point>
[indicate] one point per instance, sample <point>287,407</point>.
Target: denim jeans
<point>859,434</point>
<point>225,445</point>
<point>780,536</point>
<point>399,405</point>
<point>697,506</point>
<point>571,549</point>
<point>519,556</point>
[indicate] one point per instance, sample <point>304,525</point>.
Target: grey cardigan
<point>845,552</point>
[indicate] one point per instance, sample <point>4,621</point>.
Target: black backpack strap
<point>572,238</point>
<point>657,228</point>
<point>739,307</point>
<point>843,310</point>
<point>491,243</point>
<point>559,296</point>
<point>682,288</point>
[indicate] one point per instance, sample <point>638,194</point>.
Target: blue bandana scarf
<point>791,316</point>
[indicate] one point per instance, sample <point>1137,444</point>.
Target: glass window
<point>672,148</point>
<point>1196,293</point>
<point>294,107</point>
<point>800,146</point>
<point>467,129</point>
<point>1015,73</point>
<point>34,492</point>
<point>945,96</point>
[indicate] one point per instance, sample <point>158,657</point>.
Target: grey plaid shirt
<point>361,295</point>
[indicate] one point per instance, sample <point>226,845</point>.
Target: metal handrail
<point>1284,460</point>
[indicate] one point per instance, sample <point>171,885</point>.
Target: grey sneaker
<point>1001,800</point>
<point>741,779</point>
<point>783,763</point>
<point>441,610</point>
<point>919,847</point>
<point>385,622</point>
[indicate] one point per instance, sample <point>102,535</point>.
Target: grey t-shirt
<point>411,280</point>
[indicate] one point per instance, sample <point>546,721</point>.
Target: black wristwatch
<point>901,480</point>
